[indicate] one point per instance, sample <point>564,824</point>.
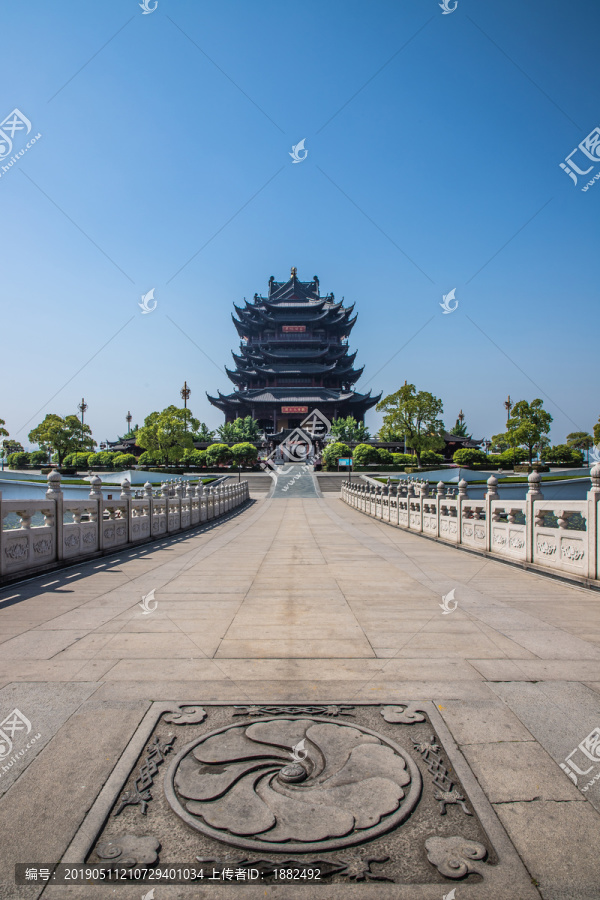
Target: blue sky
<point>434,144</point>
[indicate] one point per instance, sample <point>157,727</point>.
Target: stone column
<point>533,494</point>
<point>54,492</point>
<point>126,495</point>
<point>491,494</point>
<point>462,495</point>
<point>593,523</point>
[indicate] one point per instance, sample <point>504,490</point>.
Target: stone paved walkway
<point>305,600</point>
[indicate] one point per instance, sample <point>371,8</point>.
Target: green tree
<point>580,440</point>
<point>596,430</point>
<point>430,458</point>
<point>562,453</point>
<point>78,460</point>
<point>500,442</point>
<point>218,455</point>
<point>165,433</point>
<point>240,430</point>
<point>333,452</point>
<point>11,446</point>
<point>244,454</point>
<point>384,457</point>
<point>414,416</point>
<point>203,433</point>
<point>63,435</point>
<point>528,425</point>
<point>3,431</point>
<point>364,455</point>
<point>460,429</point>
<point>349,429</point>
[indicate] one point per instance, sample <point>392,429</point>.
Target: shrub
<point>332,453</point>
<point>562,453</point>
<point>384,457</point>
<point>78,460</point>
<point>192,458</point>
<point>515,456</point>
<point>218,454</point>
<point>431,458</point>
<point>404,459</point>
<point>244,454</point>
<point>18,460</point>
<point>38,458</point>
<point>104,459</point>
<point>469,457</point>
<point>364,455</point>
<point>124,460</point>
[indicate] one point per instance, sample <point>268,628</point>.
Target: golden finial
<point>294,271</point>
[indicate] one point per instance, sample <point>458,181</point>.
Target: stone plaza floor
<point>300,599</point>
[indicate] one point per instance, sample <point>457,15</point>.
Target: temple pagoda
<point>293,358</point>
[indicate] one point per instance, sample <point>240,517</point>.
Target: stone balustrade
<point>559,536</point>
<point>75,529</point>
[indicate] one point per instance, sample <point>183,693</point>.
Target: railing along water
<point>75,529</point>
<point>560,536</point>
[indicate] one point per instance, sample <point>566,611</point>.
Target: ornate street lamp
<point>128,419</point>
<point>185,393</point>
<point>82,407</point>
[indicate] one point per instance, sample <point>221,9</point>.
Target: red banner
<point>294,409</point>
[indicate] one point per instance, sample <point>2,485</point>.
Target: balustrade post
<point>593,523</point>
<point>491,494</point>
<point>533,494</point>
<point>462,495</point>
<point>126,495</point>
<point>423,495</point>
<point>148,496</point>
<point>54,492</point>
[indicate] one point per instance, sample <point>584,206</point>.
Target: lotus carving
<point>248,784</point>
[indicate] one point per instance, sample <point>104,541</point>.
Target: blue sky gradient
<point>434,144</point>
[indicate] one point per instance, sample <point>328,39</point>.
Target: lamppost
<point>185,393</point>
<point>82,408</point>
<point>128,419</point>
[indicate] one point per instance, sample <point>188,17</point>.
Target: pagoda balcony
<point>293,338</point>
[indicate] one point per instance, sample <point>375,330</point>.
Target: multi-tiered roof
<point>293,357</point>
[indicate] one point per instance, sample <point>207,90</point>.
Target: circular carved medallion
<point>250,785</point>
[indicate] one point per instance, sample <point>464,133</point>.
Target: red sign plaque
<point>294,409</point>
<point>287,329</point>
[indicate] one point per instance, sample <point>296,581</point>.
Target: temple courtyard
<point>298,599</point>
